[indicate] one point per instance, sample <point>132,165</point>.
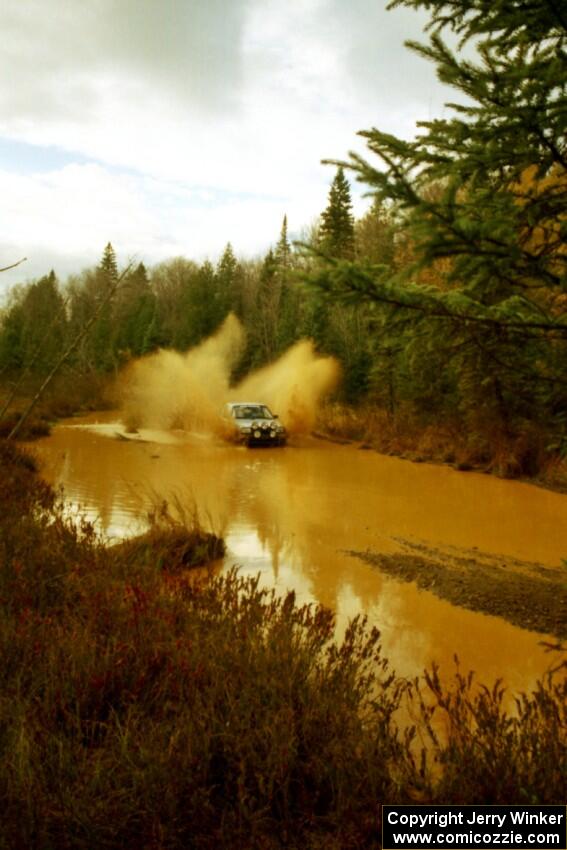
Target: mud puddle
<point>526,594</point>
<point>293,514</point>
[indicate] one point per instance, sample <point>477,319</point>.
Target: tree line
<point>179,303</point>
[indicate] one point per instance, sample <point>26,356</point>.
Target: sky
<point>170,127</point>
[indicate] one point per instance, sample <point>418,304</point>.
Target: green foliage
<point>171,284</point>
<point>375,235</point>
<point>135,315</point>
<point>101,336</point>
<point>270,305</point>
<point>34,327</point>
<point>199,310</point>
<point>12,353</point>
<point>337,223</point>
<point>476,282</point>
<point>108,267</point>
<point>499,165</point>
<point>283,248</point>
<point>227,283</point>
<point>506,24</point>
<point>88,294</point>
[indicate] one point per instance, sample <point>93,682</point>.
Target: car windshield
<point>252,411</point>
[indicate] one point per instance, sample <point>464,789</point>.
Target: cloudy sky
<point>170,127</point>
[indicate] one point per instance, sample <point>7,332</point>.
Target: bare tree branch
<point>13,266</point>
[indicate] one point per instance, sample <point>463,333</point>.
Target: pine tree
<point>12,348</point>
<point>283,248</point>
<point>289,296</point>
<point>374,235</point>
<point>134,318</point>
<point>500,163</point>
<point>481,196</point>
<point>205,311</point>
<point>337,223</point>
<point>44,309</point>
<point>227,282</point>
<point>101,338</point>
<point>108,267</point>
<point>33,329</point>
<point>269,297</point>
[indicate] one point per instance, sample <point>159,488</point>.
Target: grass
<point>36,426</point>
<point>143,705</point>
<point>487,448</point>
<point>68,394</point>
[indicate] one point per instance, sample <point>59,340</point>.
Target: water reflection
<point>291,514</point>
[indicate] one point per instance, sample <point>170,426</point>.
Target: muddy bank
<point>526,594</point>
<point>553,478</point>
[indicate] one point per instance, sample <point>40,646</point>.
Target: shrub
<point>145,705</point>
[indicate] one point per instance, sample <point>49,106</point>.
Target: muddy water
<point>290,513</point>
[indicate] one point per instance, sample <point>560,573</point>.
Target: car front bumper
<point>263,440</point>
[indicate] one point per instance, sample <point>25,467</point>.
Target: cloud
<point>63,219</point>
<point>60,54</point>
<point>156,105</point>
<point>210,92</point>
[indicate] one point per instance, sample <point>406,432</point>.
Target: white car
<point>255,424</point>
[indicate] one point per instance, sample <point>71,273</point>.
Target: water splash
<point>169,389</point>
<point>292,386</point>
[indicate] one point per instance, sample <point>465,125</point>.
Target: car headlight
<point>246,430</point>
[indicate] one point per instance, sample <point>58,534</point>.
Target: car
<point>254,424</point>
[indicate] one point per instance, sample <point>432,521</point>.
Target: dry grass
<point>142,709</point>
<point>34,427</point>
<point>484,446</point>
<point>68,394</point>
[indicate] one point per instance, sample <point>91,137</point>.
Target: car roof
<point>246,404</point>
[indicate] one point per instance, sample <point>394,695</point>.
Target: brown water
<point>290,513</point>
